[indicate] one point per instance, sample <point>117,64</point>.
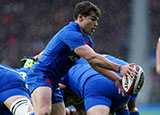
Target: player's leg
<point>97,94</point>
<point>41,99</point>
<point>132,107</point>
<point>98,110</point>
<point>40,88</point>
<point>13,93</point>
<point>58,109</point>
<point>122,110</point>
<point>44,93</point>
<point>19,104</point>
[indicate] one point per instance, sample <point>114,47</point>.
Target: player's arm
<point>112,76</point>
<point>27,62</point>
<point>95,59</point>
<point>36,57</point>
<point>105,72</point>
<point>158,57</point>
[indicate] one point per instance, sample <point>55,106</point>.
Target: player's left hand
<point>27,62</point>
<point>120,88</point>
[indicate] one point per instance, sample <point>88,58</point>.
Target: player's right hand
<point>127,70</point>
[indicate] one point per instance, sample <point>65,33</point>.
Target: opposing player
<point>158,56</point>
<point>100,94</point>
<point>64,49</point>
<point>13,93</point>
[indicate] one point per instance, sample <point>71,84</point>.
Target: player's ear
<point>80,17</point>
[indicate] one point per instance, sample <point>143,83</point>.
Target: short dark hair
<point>85,8</point>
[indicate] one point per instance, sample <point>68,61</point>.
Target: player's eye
<point>93,19</point>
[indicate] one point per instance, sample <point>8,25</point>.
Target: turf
<point>150,109</point>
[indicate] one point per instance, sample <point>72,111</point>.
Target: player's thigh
<point>98,110</point>
<point>96,92</point>
<point>41,97</point>
<point>58,109</point>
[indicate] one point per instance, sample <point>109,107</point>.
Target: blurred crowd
<point>27,26</point>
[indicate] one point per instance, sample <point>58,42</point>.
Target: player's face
<point>89,23</point>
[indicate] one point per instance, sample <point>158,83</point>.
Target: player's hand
<point>120,88</point>
<point>62,86</point>
<point>127,70</point>
<point>71,111</point>
<point>27,62</point>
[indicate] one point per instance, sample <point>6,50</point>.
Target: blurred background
<point>128,29</point>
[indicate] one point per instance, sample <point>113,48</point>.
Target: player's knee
<point>46,110</point>
<point>22,105</point>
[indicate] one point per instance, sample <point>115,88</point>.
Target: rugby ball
<point>132,85</point>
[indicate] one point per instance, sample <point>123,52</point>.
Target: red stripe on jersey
<point>87,41</point>
<point>48,81</point>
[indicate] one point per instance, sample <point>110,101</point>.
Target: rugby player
<point>61,53</point>
<point>99,93</point>
<point>82,72</point>
<point>13,93</point>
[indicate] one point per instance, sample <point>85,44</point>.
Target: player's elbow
<point>91,60</point>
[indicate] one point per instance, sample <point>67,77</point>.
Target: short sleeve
<point>73,39</point>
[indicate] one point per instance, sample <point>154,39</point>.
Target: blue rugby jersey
<point>58,56</point>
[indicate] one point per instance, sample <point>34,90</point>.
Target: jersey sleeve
<point>73,39</point>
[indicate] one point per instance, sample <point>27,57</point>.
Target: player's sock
<point>32,114</point>
<point>22,105</point>
<point>123,112</point>
<point>134,113</point>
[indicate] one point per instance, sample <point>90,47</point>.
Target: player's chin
<point>90,33</point>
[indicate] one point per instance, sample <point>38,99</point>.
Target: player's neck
<point>80,27</point>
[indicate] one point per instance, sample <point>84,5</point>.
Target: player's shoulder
<point>26,70</point>
<point>5,66</point>
<point>72,29</point>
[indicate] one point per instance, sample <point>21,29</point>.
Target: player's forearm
<point>107,73</point>
<point>96,59</point>
<point>103,62</point>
